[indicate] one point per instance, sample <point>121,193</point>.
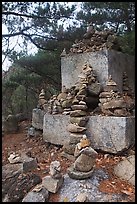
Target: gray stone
<point>75,128</point>
<point>29,163</point>
<point>37,118</point>
<point>74,174</point>
<point>126,169</point>
<point>114,103</point>
<point>82,197</point>
<point>52,185</point>
<point>69,148</point>
<point>105,63</point>
<point>37,195</point>
<point>71,188</point>
<point>84,163</point>
<point>16,183</point>
<point>110,134</point>
<point>81,121</point>
<point>78,113</point>
<point>94,89</point>
<point>79,107</point>
<point>75,138</point>
<point>54,128</point>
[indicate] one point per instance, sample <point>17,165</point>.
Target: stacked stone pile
<point>84,164</point>
<point>85,92</point>
<point>55,180</point>
<point>112,103</point>
<point>95,40</point>
<point>42,101</point>
<point>76,100</point>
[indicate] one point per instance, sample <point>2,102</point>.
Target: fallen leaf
<point>126,192</point>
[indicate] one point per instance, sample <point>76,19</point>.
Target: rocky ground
<point>45,153</point>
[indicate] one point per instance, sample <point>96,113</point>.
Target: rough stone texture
<point>52,185</point>
<point>37,195</point>
<point>126,169</point>
<point>28,163</point>
<point>71,188</point>
<point>37,118</point>
<point>74,174</point>
<point>111,134</point>
<point>15,183</point>
<point>54,128</point>
<point>104,63</point>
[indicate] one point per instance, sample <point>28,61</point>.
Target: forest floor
<point>45,153</point>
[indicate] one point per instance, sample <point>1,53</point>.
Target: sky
<point>31,48</point>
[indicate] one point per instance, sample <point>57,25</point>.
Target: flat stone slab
<point>111,134</point>
<point>71,188</point>
<point>126,169</point>
<point>54,128</point>
<point>107,133</point>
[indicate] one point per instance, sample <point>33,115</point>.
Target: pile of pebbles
<point>93,41</point>
<point>112,103</point>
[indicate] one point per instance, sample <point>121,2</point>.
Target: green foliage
<point>127,42</point>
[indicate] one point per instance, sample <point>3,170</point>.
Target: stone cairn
<point>55,180</point>
<point>94,40</point>
<point>86,91</point>
<point>84,164</point>
<point>42,101</point>
<point>112,102</point>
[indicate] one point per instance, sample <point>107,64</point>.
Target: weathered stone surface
<point>82,197</point>
<point>74,174</point>
<point>111,134</point>
<point>71,188</point>
<point>37,195</point>
<point>29,163</point>
<point>75,128</point>
<point>81,121</point>
<point>79,107</point>
<point>54,128</point>
<point>84,163</point>
<point>15,183</point>
<point>69,148</point>
<point>114,104</point>
<point>52,185</point>
<point>78,113</point>
<point>75,138</point>
<point>126,169</point>
<point>94,89</point>
<point>104,62</point>
<point>37,118</point>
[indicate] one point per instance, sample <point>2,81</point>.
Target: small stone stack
<point>54,181</point>
<point>95,41</point>
<point>85,160</point>
<point>54,105</point>
<point>126,88</point>
<point>42,103</point>
<point>112,102</point>
<point>78,113</point>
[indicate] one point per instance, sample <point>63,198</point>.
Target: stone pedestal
<point>107,133</point>
<point>104,63</point>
